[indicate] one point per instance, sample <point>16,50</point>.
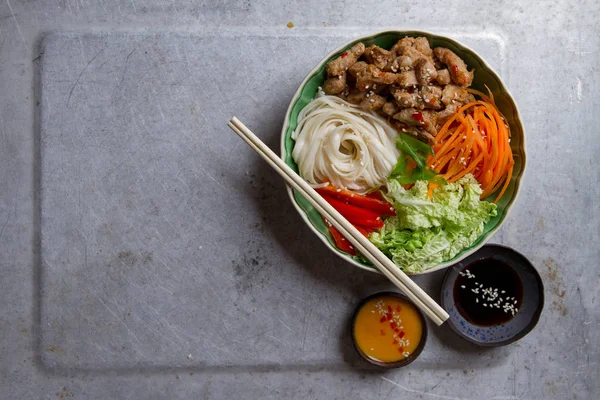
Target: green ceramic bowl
<point>484,75</point>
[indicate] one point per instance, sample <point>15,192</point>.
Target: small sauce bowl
<point>385,330</point>
<point>497,309</point>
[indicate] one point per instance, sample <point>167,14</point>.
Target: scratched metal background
<point>145,252</point>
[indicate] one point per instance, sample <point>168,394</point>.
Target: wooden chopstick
<point>328,213</point>
<point>421,299</point>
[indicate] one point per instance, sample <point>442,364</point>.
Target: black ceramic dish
<point>394,364</point>
<point>504,333</point>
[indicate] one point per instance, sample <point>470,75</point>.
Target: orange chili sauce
<point>388,329</point>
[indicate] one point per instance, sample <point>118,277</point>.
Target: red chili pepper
<point>401,335</point>
<point>401,349</point>
<point>340,241</point>
<point>383,319</point>
<point>393,325</point>
<point>398,308</point>
<point>344,54</point>
<point>375,195</point>
<point>382,332</point>
<point>388,316</point>
<point>365,232</point>
<point>356,215</point>
<point>369,201</point>
<point>418,116</point>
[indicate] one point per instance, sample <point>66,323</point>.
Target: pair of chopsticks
<point>360,243</point>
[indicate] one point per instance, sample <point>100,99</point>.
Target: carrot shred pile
<point>475,140</point>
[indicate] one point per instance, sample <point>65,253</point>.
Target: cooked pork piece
<point>404,42</point>
<point>407,98</point>
<point>402,63</point>
<point>346,60</point>
<point>445,114</point>
<point>431,96</point>
<point>410,52</point>
<point>389,108</point>
<point>335,84</point>
<point>407,79</point>
<point>373,75</point>
<point>457,67</point>
<point>422,119</point>
<point>372,102</point>
<point>357,67</point>
<point>379,57</point>
<point>356,96</point>
<point>419,133</point>
<point>443,76</point>
<point>422,44</point>
<point>456,94</point>
<point>425,71</point>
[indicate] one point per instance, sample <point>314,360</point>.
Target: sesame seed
<point>463,286</point>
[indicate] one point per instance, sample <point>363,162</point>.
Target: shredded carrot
<point>475,140</point>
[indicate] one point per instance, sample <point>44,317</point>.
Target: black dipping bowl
<point>393,364</point>
<point>508,332</point>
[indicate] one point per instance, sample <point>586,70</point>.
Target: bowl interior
<point>529,312</point>
<point>484,76</point>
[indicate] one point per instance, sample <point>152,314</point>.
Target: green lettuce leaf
<point>427,232</point>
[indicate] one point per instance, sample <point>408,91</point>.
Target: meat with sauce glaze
<point>415,87</point>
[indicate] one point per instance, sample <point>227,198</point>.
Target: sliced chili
<point>370,202</point>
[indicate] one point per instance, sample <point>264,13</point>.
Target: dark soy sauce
<point>488,292</point>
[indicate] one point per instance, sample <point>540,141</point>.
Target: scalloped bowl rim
<point>503,88</point>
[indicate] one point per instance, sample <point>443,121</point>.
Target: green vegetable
<point>426,232</point>
<point>418,151</point>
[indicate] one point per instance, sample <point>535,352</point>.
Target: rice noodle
<point>338,142</point>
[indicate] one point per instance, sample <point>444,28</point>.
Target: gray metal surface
<point>145,252</point>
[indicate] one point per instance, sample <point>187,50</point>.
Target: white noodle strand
<point>338,142</point>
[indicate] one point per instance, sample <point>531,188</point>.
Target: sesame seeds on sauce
<point>387,329</point>
<point>488,292</point>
